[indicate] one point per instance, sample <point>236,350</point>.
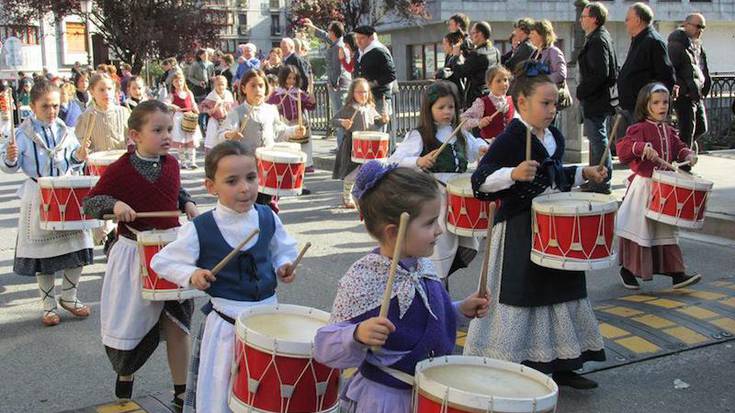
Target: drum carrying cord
<point>286,389</point>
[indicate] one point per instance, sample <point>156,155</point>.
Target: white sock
<point>193,155</point>
<point>47,291</point>
<point>70,284</point>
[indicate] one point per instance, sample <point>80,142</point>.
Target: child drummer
<point>146,180</point>
<point>247,280</point>
<point>649,247</point>
<point>539,317</point>
<point>44,146</point>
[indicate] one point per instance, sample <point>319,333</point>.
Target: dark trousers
<point>595,129</point>
<point>692,119</point>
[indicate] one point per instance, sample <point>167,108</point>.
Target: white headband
<point>658,87</point>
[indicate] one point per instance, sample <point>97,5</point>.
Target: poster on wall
<point>12,52</point>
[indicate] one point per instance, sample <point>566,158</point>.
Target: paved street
<point>65,367</point>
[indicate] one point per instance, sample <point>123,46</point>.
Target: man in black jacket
<point>597,70</point>
<point>647,60</point>
<point>476,62</point>
<point>524,50</point>
<point>692,76</point>
<point>290,57</point>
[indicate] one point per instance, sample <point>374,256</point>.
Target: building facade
<point>261,22</point>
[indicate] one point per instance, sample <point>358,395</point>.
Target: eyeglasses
<point>585,15</point>
<point>698,26</point>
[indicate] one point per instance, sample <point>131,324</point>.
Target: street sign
<point>12,52</point>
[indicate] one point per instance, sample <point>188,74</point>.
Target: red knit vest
<point>122,182</point>
<point>186,103</point>
<point>499,122</point>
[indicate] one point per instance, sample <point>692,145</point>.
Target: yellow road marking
<point>697,312</point>
<point>730,301</point>
<point>704,295</point>
<point>665,303</point>
<point>610,331</point>
<point>686,335</point>
<point>637,298</point>
<point>460,341</point>
<point>622,311</point>
<point>118,407</point>
<point>722,283</point>
<point>727,324</point>
<point>654,321</point>
<point>638,345</point>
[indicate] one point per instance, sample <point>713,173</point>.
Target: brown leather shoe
<point>75,307</point>
<point>50,318</point>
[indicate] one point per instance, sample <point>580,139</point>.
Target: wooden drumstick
<point>301,255</point>
<point>9,109</point>
<point>402,225</point>
<point>449,138</point>
<point>153,214</point>
<point>298,107</point>
<point>482,290</point>
<point>613,135</point>
<point>217,268</point>
<point>90,129</point>
<point>528,144</point>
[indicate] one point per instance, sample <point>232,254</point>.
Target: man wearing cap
<point>375,64</point>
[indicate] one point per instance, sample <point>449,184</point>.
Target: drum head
<point>575,203</point>
<point>477,382</point>
<point>280,155</point>
<point>461,185</point>
<point>370,135</point>
<point>70,181</point>
<point>283,328</point>
<point>682,180</point>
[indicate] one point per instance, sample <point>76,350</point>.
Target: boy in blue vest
<point>247,280</point>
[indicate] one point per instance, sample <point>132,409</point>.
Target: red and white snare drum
<point>463,384</point>
<point>98,162</point>
<point>189,122</point>
<point>466,215</point>
<point>61,202</point>
<point>678,199</point>
<point>280,171</point>
<point>573,231</point>
<point>369,145</point>
<point>274,369</point>
<point>153,287</point>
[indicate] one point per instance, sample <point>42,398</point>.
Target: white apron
<point>126,317</point>
<point>34,242</point>
<point>632,223</point>
<point>217,352</point>
<point>446,246</point>
<point>211,138</point>
<point>185,138</point>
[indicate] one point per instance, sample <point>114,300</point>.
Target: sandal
<point>76,308</point>
<point>51,318</point>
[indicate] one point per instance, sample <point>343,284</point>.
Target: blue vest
<point>250,275</point>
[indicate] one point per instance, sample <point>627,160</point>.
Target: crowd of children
<point>536,316</point>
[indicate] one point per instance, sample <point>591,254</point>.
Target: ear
<point>390,233</point>
<point>134,136</point>
<point>522,103</point>
<point>209,184</point>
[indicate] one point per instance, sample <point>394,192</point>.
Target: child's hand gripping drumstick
<point>449,138</point>
<point>402,226</point>
<point>287,272</point>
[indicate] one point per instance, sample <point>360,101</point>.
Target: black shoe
<point>305,191</point>
<point>628,279</point>
<point>573,380</point>
<point>177,404</point>
<point>123,389</point>
<point>681,280</point>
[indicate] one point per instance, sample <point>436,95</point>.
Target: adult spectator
<point>524,49</point>
<point>476,62</point>
<point>338,79</point>
<point>246,62</point>
<point>301,48</point>
<point>127,73</point>
<point>198,76</point>
<point>292,57</point>
<point>692,76</point>
<point>449,41</point>
<point>597,71</point>
<point>460,23</point>
<point>375,64</point>
<point>224,68</point>
<point>513,44</point>
<point>647,61</point>
<point>348,55</point>
<point>543,37</point>
<point>272,65</point>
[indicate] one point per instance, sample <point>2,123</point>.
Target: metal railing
<point>720,106</point>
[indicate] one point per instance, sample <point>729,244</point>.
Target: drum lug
<point>253,385</point>
<point>601,240</point>
<point>287,391</point>
<point>679,206</point>
<point>321,388</point>
<point>552,242</point>
<point>576,246</point>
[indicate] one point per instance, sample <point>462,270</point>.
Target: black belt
<point>224,316</point>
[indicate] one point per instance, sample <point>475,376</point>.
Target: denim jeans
<point>595,129</point>
<point>336,100</point>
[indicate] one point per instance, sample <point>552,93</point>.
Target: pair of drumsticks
<point>220,265</point>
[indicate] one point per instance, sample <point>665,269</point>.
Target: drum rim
<point>574,264</point>
<point>458,397</point>
<point>240,406</point>
<point>96,158</point>
<point>151,237</point>
<point>167,295</point>
<point>455,189</point>
<point>67,181</point>
<point>675,221</point>
<point>293,157</point>
<point>672,178</point>
<point>259,341</point>
<point>604,204</point>
<point>368,135</point>
<point>81,224</point>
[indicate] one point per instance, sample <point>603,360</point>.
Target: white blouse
<point>409,151</point>
<point>176,262</point>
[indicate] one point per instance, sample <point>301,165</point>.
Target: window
<point>75,37</point>
<point>27,34</point>
<point>275,4</point>
<point>416,63</point>
<point>425,59</point>
<point>275,24</point>
<point>242,19</point>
